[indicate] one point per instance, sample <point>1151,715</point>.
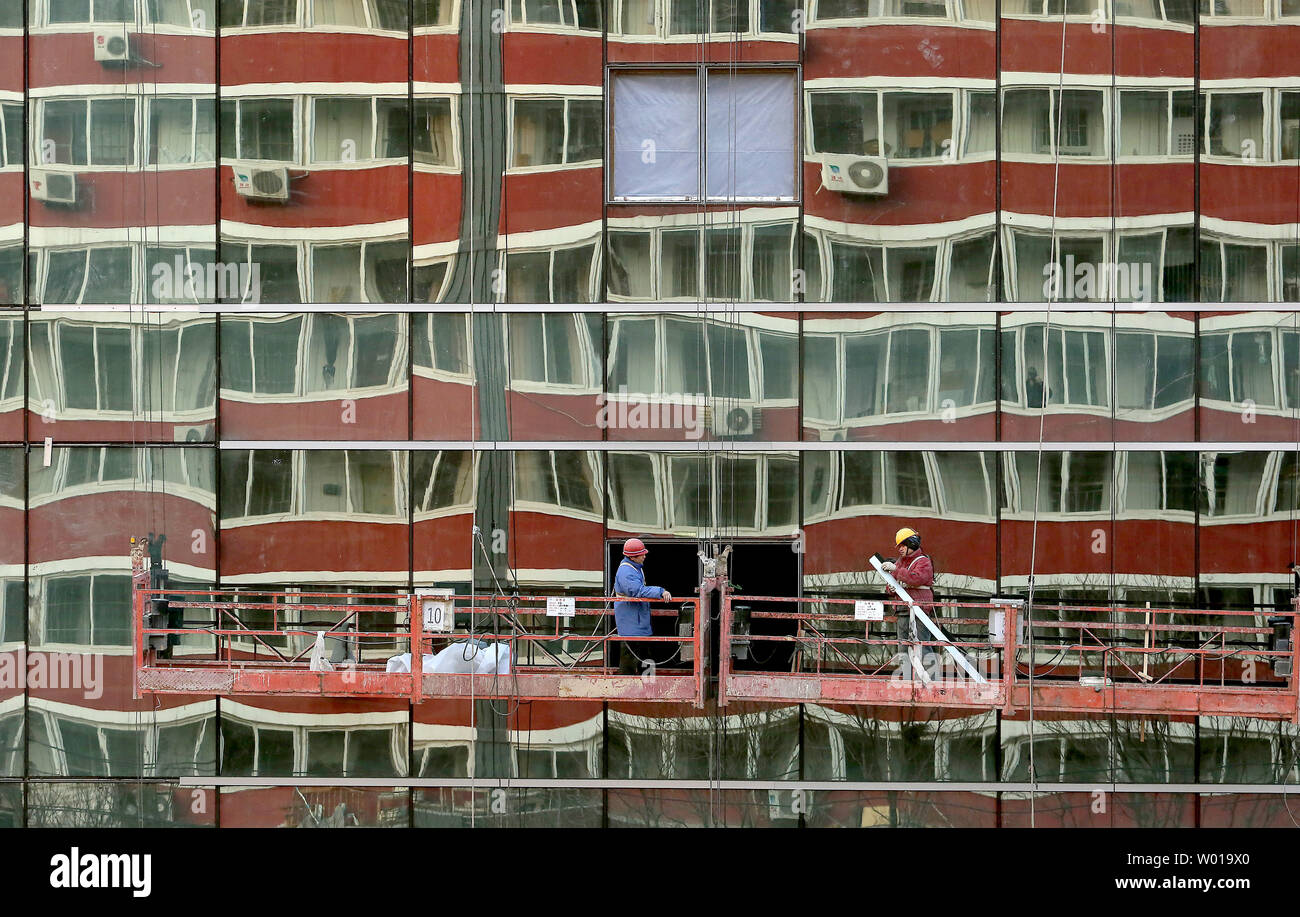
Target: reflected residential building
<point>1249,376</point>
<point>122,149</point>
<point>11,383</point>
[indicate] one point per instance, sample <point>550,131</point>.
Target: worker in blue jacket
<point>633,618</point>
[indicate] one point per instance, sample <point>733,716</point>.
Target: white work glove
<point>887,566</point>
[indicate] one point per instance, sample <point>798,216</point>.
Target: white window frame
<point>591,461</point>
<point>300,12</point>
<point>365,159</point>
<point>453,105</point>
<point>661,32</point>
<point>433,372</point>
<point>307,265</point>
<point>9,103</point>
<point>594,293</point>
<point>295,117</point>
<point>37,136</point>
<point>1105,118</point>
<point>1171,153</point>
<point>564,164</point>
<point>194,132</point>
<point>1269,107</point>
<point>568,9</point>
<point>465,488</point>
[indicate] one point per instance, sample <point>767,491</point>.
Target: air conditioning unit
<point>53,187</point>
<point>198,433</point>
<point>856,174</point>
<point>113,45</point>
<point>735,421</point>
<point>262,184</point>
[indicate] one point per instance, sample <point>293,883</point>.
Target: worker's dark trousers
<point>630,656</point>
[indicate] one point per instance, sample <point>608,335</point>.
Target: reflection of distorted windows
<point>1234,125</point>
<point>11,361</point>
<point>91,11</point>
<point>1248,753</point>
<point>350,351</point>
<point>1053,8</point>
<point>350,481</point>
<point>267,273</point>
<point>187,274</point>
<point>11,274</point>
<point>885,478</point>
<point>964,482</point>
<point>670,18</point>
<point>198,14</point>
<point>1045,122</point>
<point>430,281</point>
<point>443,761</point>
<point>779,359</point>
<point>441,479</point>
<point>966,360</point>
<point>561,275</point>
<point>11,16</point>
<point>236,13</point>
<point>258,129</point>
<point>863,9</point>
<point>914,125</point>
<point>1234,271</point>
<point>100,275</point>
<point>1238,367</point>
<point>1231,8</point>
<point>577,14</point>
<point>247,750</point>
<point>566,479</point>
<point>359,272</point>
<point>181,131</point>
<point>1071,371</point>
<point>11,135</point>
<point>96,364</point>
<point>351,753</point>
<point>256,482</point>
<point>431,13</point>
<point>442,342</point>
<point>1157,123</point>
<point>360,14</point>
<point>434,139</point>
<point>1237,480</point>
<point>633,489</point>
<point>88,610</point>
<point>11,745</point>
<point>747,263</point>
<point>554,348</point>
<point>184,749</point>
<point>874,273</point>
<point>550,132</point>
<point>1065,482</point>
<point>1183,11</point>
<point>1289,125</point>
<point>89,132</point>
<point>260,357</point>
<point>14,616</point>
<point>1152,371</point>
<point>358,129</point>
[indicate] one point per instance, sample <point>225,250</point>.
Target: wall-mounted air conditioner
<point>112,44</point>
<point>855,174</point>
<point>53,187</point>
<point>742,420</point>
<point>261,184</point>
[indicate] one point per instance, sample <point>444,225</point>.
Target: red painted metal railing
<point>254,641</point>
<point>1081,658</point>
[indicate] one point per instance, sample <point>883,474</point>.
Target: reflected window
<point>89,132</point>
<point>88,610</point>
<point>1157,122</point>
<point>431,280</point>
<point>267,273</point>
<point>260,357</point>
<point>11,379</point>
<point>100,275</point>
<point>964,482</point>
<point>1217,9</point>
<point>181,131</point>
<point>561,275</point>
<point>442,343</point>
<point>256,482</point>
<point>435,143</point>
<point>1071,370</point>
<point>351,482</point>
<point>554,349</point>
<point>1234,125</point>
<point>1234,271</point>
<point>1236,483</point>
<point>389,15</point>
<point>91,11</point>
<point>187,275</point>
<point>1239,366</point>
<point>185,14</point>
<point>634,489</point>
<point>359,272</point>
<point>573,14</point>
<point>11,135</point>
<point>1045,122</point>
<point>914,125</point>
<point>1182,11</point>
<point>236,13</point>
<point>885,478</point>
<point>830,10</point>
<point>549,132</point>
<point>1152,371</point>
<point>1053,8</point>
<point>259,129</point>
<point>570,480</point>
<point>442,479</point>
<point>1065,482</point>
<point>1161,481</point>
<point>1289,125</point>
<point>358,129</point>
<point>970,269</point>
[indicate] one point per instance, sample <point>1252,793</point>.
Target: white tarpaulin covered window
<point>748,148</point>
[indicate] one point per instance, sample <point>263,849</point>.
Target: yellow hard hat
<point>902,535</point>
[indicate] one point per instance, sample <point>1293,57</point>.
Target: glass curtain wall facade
<point>314,287</point>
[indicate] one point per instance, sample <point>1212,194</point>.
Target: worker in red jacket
<point>915,573</point>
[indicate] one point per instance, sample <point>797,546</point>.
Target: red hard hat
<point>633,547</point>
